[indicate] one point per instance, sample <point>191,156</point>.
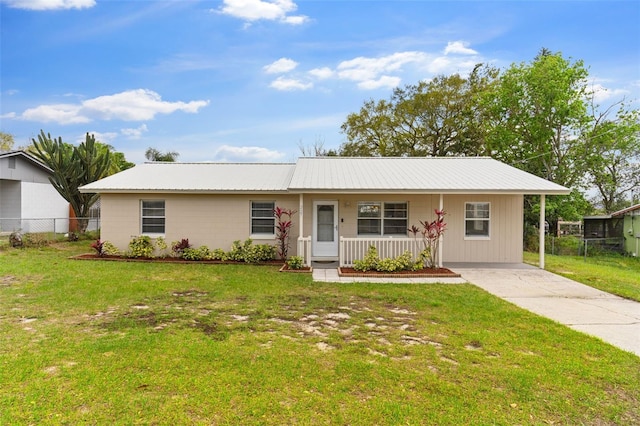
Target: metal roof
<point>27,156</point>
<point>416,174</point>
<point>332,174</point>
<point>627,210</point>
<point>196,177</point>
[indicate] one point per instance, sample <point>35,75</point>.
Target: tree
<point>536,116</point>
<point>538,112</point>
<point>72,168</point>
<point>435,118</point>
<point>6,141</point>
<point>153,154</point>
<point>316,149</point>
<point>614,158</point>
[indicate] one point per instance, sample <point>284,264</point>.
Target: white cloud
<point>131,105</point>
<point>280,66</point>
<point>59,113</point>
<point>384,81</point>
<point>601,93</point>
<point>363,69</point>
<point>49,4</point>
<point>321,73</point>
<point>135,133</point>
<point>251,154</point>
<point>270,10</point>
<point>289,84</point>
<point>106,137</point>
<point>459,47</point>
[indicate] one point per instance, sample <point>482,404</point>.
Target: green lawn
<point>613,274</point>
<point>85,342</point>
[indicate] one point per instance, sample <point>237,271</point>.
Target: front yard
<point>129,343</point>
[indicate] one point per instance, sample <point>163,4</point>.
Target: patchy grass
<point>130,343</point>
<point>613,274</point>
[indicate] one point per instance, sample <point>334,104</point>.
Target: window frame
<point>382,217</point>
<point>487,219</point>
<point>143,217</point>
<point>262,235</point>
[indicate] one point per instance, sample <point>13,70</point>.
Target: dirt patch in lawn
<point>381,329</point>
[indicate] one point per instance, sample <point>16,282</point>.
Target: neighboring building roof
<point>416,174</point>
<point>332,174</point>
<point>196,177</point>
<point>625,211</point>
<point>27,156</point>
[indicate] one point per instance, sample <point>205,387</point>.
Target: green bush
<point>218,254</point>
<point>370,261</point>
<point>109,249</point>
<point>249,253</point>
<point>140,246</point>
<point>295,262</point>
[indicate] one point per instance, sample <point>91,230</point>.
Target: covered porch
<point>327,233</point>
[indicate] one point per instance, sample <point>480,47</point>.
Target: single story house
<point>618,231</point>
<point>28,201</point>
<point>343,205</point>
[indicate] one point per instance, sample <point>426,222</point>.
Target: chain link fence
<point>575,246</point>
<point>55,226</point>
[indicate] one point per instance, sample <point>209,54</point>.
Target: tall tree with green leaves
<point>72,168</point>
<point>614,158</point>
<point>6,141</point>
<point>537,113</point>
<point>432,118</point>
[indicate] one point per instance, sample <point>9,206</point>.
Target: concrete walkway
<point>610,318</point>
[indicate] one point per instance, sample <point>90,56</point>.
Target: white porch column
<point>441,207</point>
<point>300,216</point>
<point>541,230</point>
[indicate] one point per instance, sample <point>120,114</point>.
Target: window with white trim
<point>477,218</point>
<point>377,218</point>
<point>153,216</point>
<point>263,222</point>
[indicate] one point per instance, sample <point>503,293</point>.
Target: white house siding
<point>503,246</point>
<point>506,232</point>
<point>218,220</point>
<point>212,220</point>
<point>42,201</point>
<point>9,205</point>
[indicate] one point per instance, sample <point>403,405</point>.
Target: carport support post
<point>541,229</point>
<point>441,207</point>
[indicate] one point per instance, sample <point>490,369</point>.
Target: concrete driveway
<point>611,318</point>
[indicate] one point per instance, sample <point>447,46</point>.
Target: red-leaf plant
<point>283,229</point>
<point>98,247</point>
<point>430,233</point>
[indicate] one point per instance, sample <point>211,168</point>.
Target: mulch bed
<point>91,256</point>
<point>420,273</point>
<point>304,269</point>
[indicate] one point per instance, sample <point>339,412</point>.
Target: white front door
<point>325,229</point>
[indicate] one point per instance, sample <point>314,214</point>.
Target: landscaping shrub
<point>295,262</point>
<point>177,247</point>
<point>140,246</point>
<point>372,262</point>
<point>249,253</point>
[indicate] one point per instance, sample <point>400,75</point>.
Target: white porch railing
<point>304,249</point>
<point>355,248</point>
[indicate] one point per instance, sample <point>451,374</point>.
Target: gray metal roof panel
<point>195,177</point>
<point>438,174</point>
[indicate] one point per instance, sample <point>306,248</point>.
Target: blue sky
<point>251,80</point>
